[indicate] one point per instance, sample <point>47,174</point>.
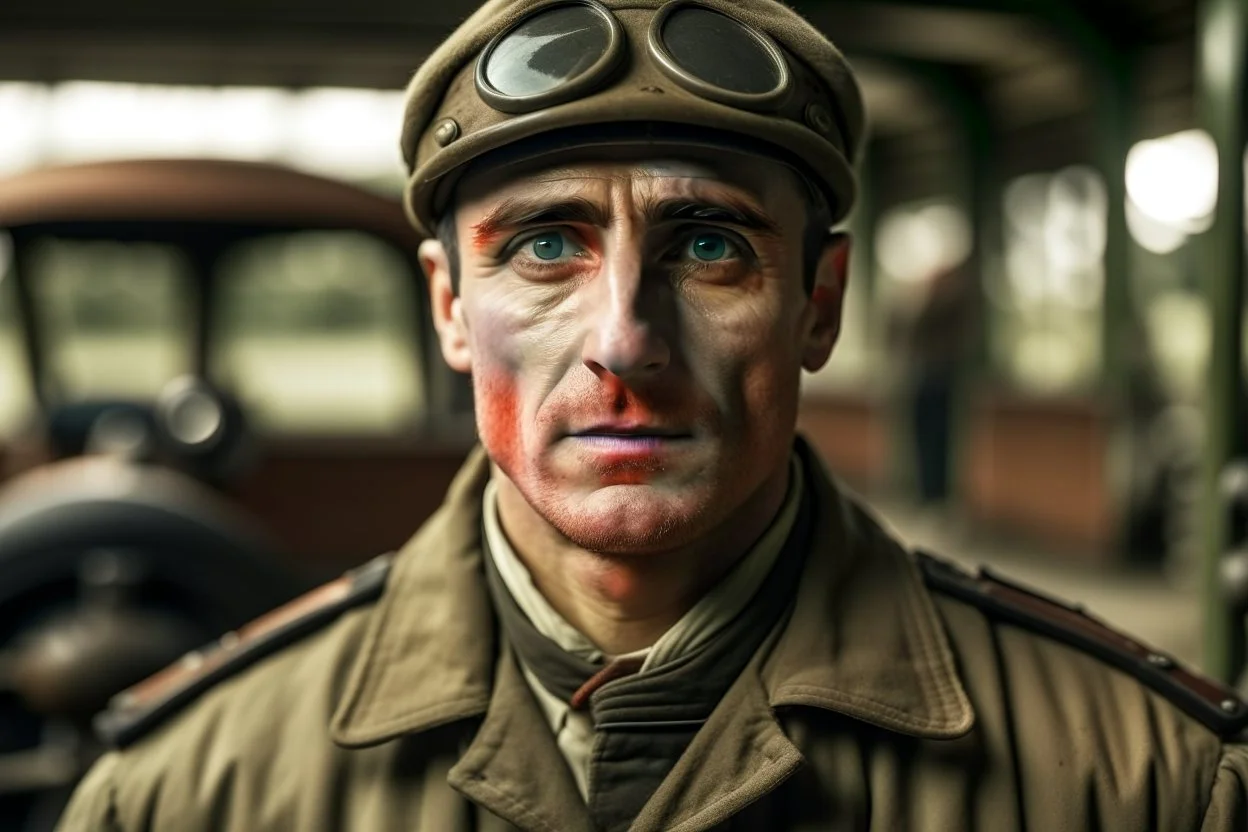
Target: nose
<point>623,338</point>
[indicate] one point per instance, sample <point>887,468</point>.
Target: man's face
<point>635,332</point>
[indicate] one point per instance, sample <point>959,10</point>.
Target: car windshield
<point>317,331</point>
<point>116,317</point>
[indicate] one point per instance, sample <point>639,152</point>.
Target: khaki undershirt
<point>574,731</point>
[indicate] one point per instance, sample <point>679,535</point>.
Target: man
<point>644,605</point>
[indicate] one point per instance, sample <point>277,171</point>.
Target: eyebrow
<point>520,211</point>
<point>724,209</point>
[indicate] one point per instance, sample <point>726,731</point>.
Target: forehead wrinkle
<point>640,192</point>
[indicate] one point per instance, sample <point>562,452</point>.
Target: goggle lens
<point>548,51</point>
<point>718,50</point>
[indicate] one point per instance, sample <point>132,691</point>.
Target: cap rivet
<point>1231,706</point>
<point>446,132</point>
<point>818,117</point>
<point>1160,660</point>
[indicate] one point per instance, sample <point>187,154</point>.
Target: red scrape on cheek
<point>499,421</point>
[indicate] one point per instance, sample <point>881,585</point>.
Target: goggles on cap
<point>570,49</point>
<point>564,76</point>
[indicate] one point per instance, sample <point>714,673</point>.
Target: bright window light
<point>1076,225</point>
<point>101,121</point>
<point>249,123</point>
<point>347,133</point>
<point>915,242</point>
<point>22,109</point>
<point>1174,180</point>
<point>1154,236</point>
<point>1055,239</point>
<point>1179,328</point>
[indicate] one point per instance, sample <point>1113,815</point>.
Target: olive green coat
<point>880,706</point>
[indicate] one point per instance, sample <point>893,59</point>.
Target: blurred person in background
<point>936,342</point>
<point>645,604</point>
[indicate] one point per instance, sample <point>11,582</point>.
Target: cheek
<point>516,356</point>
<point>498,417</point>
<point>741,354</point>
<point>496,370</point>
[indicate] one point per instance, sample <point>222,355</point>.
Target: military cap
<point>552,74</point>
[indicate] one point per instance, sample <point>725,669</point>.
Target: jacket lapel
<point>432,656</point>
<point>865,639</point>
<point>739,755</point>
<point>513,767</point>
<point>428,657</point>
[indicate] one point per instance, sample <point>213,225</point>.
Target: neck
<point>621,602</point>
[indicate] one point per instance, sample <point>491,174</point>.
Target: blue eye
<point>548,246</point>
<point>710,247</point>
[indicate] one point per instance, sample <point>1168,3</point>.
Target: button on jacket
<point>878,705</point>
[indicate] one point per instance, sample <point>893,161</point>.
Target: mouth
<point>627,432</point>
<point>629,454</point>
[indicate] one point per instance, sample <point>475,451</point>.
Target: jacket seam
<point>901,717</point>
<point>1207,792</point>
<point>368,659</point>
<point>945,686</point>
<point>712,811</point>
<point>994,637</point>
<point>523,812</point>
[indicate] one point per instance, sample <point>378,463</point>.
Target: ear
<point>448,313</point>
<point>826,300</point>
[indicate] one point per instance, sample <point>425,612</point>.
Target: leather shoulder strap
<point>1215,705</point>
<point>135,711</point>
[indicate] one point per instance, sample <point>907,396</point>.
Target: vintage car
<point>234,394</point>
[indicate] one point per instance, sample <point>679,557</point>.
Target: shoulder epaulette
<point>135,711</point>
<point>1215,705</point>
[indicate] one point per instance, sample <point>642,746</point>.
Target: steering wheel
<point>109,571</point>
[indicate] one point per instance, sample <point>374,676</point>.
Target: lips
<point>631,431</point>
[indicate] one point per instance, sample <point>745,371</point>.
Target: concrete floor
<point>1157,609</point>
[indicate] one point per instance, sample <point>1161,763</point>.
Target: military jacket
<point>887,701</point>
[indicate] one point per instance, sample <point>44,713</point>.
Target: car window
<point>317,333</point>
<point>116,317</point>
<point>17,399</point>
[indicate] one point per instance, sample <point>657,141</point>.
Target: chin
<point>629,519</point>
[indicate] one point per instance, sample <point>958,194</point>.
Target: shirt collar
<point>864,638</point>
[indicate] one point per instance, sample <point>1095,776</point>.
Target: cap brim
<point>666,124</point>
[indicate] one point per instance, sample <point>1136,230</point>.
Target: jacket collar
<point>864,638</point>
<point>429,654</point>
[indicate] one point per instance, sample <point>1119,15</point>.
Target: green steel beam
<point>1220,91</point>
<point>963,99</point>
<point>1114,131</point>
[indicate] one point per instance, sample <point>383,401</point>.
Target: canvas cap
<point>816,127</point>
